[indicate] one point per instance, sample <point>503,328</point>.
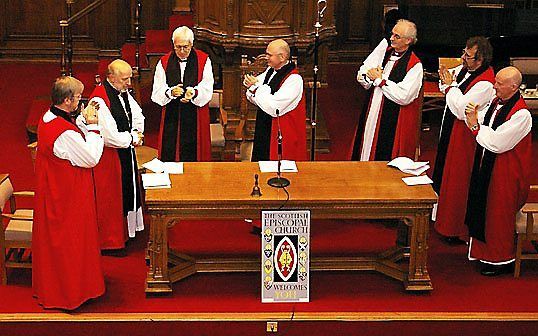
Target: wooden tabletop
<point>210,182</point>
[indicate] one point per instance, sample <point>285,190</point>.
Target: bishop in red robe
<point>65,247</point>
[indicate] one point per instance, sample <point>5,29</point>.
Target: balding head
<point>119,74</point>
<point>282,47</point>
<point>119,66</point>
<point>507,82</point>
<point>278,53</point>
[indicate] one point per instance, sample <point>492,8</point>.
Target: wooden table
<point>331,190</point>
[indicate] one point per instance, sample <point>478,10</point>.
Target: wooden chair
<point>145,154</point>
<point>244,132</point>
<point>218,128</point>
<point>434,100</point>
<point>527,231</point>
<point>529,69</point>
<point>33,151</point>
<point>16,236</point>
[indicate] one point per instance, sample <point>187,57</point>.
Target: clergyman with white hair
<point>183,86</point>
<point>388,126</point>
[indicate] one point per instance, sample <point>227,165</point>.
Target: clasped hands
<point>138,138</point>
<point>374,73</point>
<point>249,80</point>
<point>471,114</point>
<point>90,112</point>
<point>446,77</point>
<point>188,93</point>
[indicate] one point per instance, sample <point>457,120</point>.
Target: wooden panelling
<point>273,17</point>
<point>35,17</point>
<point>355,23</point>
<point>155,14</point>
<point>31,28</point>
<point>212,16</point>
<point>3,19</point>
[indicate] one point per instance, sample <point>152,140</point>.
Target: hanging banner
<point>285,256</point>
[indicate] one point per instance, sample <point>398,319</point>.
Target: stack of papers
<point>286,166</point>
<point>409,166</point>
<point>158,166</point>
<point>156,181</point>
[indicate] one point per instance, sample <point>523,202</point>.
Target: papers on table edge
<point>158,166</point>
<point>160,179</point>
<point>409,166</point>
<point>416,180</point>
<point>286,166</point>
<point>156,181</point>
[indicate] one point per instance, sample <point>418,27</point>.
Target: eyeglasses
<point>182,47</point>
<point>466,55</point>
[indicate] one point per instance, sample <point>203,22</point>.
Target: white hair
<point>183,33</point>
<point>411,31</point>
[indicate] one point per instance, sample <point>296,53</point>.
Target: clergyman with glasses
<point>469,83</point>
<point>66,259</point>
<point>388,125</point>
<point>183,86</point>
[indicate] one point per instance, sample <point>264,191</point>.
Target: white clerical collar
<point>283,65</point>
<point>119,91</point>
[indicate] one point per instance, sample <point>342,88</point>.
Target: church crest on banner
<point>285,256</point>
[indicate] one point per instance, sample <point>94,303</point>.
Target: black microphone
<point>278,181</point>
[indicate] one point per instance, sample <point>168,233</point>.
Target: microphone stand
<point>278,181</point>
<point>314,101</point>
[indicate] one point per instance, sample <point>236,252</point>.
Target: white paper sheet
<point>417,180</point>
<point>156,181</point>
<point>173,167</point>
<point>409,166</point>
<point>158,166</point>
<point>286,166</point>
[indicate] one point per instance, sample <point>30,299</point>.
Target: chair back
<point>6,191</point>
<point>33,151</point>
<point>450,62</point>
<point>526,231</point>
<point>215,100</point>
<point>245,129</point>
<point>527,65</point>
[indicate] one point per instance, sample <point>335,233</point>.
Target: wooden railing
<point>66,34</point>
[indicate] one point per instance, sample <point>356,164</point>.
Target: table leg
<point>158,280</point>
<point>418,277</point>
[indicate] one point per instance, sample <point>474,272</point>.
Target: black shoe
<point>453,240</point>
<point>495,270</point>
<point>118,253</point>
